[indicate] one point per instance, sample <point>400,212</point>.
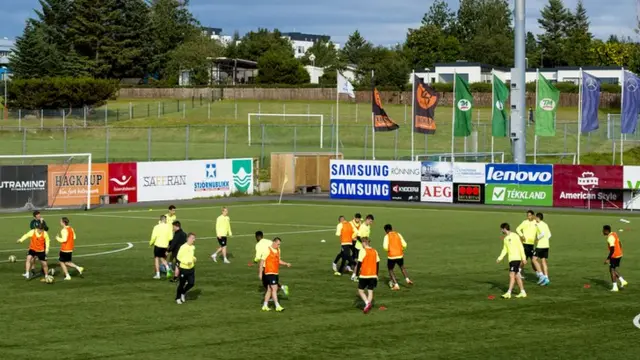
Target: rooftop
<point>306,37</point>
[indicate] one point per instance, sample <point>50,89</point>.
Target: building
<point>302,42</point>
<point>6,47</point>
<point>216,34</point>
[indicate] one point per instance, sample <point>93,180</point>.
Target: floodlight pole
<point>518,88</point>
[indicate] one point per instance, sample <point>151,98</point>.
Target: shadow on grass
<point>194,294</point>
<point>599,282</point>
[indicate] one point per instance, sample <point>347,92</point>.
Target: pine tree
<point>440,16</point>
<point>355,50</point>
<point>579,38</point>
<point>488,35</point>
<point>554,20</point>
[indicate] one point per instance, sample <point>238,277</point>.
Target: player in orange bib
<point>614,258</point>
<point>395,245</point>
<point>368,265</point>
<point>344,232</point>
<point>38,248</point>
<point>269,270</point>
<point>67,240</point>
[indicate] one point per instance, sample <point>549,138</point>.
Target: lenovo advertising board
<point>519,174</point>
<point>23,186</point>
<point>177,180</point>
<point>123,180</point>
<point>468,193</point>
<point>68,184</point>
<point>588,186</point>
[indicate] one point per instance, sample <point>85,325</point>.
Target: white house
<point>216,34</point>
<point>477,72</point>
<point>6,47</point>
<point>302,42</point>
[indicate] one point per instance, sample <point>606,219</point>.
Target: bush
<point>60,93</point>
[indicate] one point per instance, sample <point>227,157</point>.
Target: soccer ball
<point>52,271</point>
<point>49,279</point>
<point>12,258</point>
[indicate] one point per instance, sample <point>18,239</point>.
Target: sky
<point>383,22</point>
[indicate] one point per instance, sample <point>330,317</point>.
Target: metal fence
<point>120,143</point>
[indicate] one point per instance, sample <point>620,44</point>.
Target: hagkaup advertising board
<point>588,185</point>
<point>374,170</point>
<point>68,184</point>
<point>23,186</point>
<point>469,173</point>
<point>176,180</point>
<point>405,190</point>
<point>468,193</point>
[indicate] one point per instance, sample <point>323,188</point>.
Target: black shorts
<point>188,275</point>
<point>222,241</point>
<point>528,251</point>
<point>41,255</point>
<point>615,262</point>
<point>541,253</point>
<point>367,283</point>
<point>65,257</point>
<point>159,252</point>
<point>391,263</point>
<point>514,266</point>
<point>271,279</point>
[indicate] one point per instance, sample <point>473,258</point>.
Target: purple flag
<point>590,102</point>
<point>630,102</point>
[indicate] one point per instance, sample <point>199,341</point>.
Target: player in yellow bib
<point>542,250</point>
<point>528,231</point>
<point>512,246</point>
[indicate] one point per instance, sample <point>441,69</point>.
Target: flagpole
<point>621,115</point>
<point>413,113</point>
<point>453,116</point>
<point>493,105</point>
<point>580,95</point>
<point>337,119</point>
<point>535,137</point>
<point>373,128</point>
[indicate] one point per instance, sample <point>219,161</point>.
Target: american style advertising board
<point>123,180</point>
<point>514,194</point>
<point>68,184</point>
<point>588,186</point>
<point>23,186</point>
<point>469,173</point>
<point>371,180</point>
<point>468,193</point>
<point>179,180</point>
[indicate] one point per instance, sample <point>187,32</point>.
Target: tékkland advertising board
<point>374,170</point>
<point>514,194</point>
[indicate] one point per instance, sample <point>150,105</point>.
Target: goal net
<point>51,181</point>
<point>257,118</point>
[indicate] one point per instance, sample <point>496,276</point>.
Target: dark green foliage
<point>276,67</point>
<point>255,44</point>
<point>325,54</point>
<point>196,55</point>
<point>59,93</point>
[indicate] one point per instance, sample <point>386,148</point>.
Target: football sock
<point>266,303</point>
<point>621,279</point>
<point>157,273</point>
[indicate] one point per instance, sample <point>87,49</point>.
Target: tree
<point>440,16</point>
<point>195,55</point>
<point>59,93</point>
<point>391,68</point>
<point>578,38</point>
<point>278,67</point>
<point>490,36</point>
<point>532,51</point>
<point>355,50</point>
<point>231,49</point>
<point>554,19</point>
<point>325,54</point>
<point>428,45</point>
<point>257,43</point>
<point>170,24</point>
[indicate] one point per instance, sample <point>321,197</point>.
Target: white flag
<point>344,86</point>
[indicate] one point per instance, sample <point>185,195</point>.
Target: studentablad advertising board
<point>181,180</point>
<point>372,180</point>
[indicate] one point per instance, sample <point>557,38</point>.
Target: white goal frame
<point>321,116</point>
<point>44,156</point>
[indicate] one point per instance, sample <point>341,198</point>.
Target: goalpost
<point>48,181</point>
<point>287,115</point>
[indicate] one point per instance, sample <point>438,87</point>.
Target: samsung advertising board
<point>360,189</point>
<point>374,170</point>
<point>519,174</point>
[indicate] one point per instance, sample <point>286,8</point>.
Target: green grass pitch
<point>117,311</point>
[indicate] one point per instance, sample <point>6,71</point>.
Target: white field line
<point>197,220</point>
<point>199,238</point>
<point>129,246</point>
<point>137,210</point>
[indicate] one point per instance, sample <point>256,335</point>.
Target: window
<point>4,53</point>
<point>300,49</point>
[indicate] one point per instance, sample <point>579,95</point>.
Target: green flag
<point>548,97</point>
<point>463,105</point>
<point>499,118</point>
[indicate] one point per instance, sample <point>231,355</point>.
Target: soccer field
<point>117,311</point>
